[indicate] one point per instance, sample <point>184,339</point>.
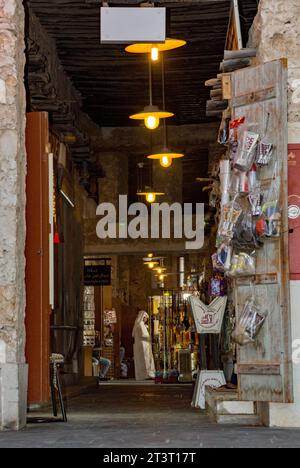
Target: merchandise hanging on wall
<point>208,319</point>
<point>250,323</point>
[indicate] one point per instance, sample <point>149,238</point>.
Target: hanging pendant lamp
<point>150,195</point>
<point>145,187</point>
<point>165,156</point>
<point>151,114</point>
<point>155,49</point>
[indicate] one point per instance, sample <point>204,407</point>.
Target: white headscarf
<point>140,321</point>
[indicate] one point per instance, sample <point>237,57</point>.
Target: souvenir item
<point>230,216</point>
<point>208,319</point>
<point>215,263</point>
<point>245,235</point>
<point>224,128</point>
<point>252,178</point>
<point>255,199</point>
<point>264,153</point>
<point>272,216</point>
<point>243,182</point>
<point>242,265</point>
<point>225,181</point>
<point>249,324</point>
<point>224,256</point>
<point>235,130</point>
<point>246,154</point>
<point>217,288</point>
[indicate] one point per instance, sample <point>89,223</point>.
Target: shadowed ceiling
<point>114,84</point>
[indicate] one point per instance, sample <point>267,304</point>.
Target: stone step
<point>224,407</point>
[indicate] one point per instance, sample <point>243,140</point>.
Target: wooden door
<point>37,257</point>
<point>265,368</point>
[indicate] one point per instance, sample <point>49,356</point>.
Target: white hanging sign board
<point>128,25</point>
<point>214,379</point>
<point>208,319</point>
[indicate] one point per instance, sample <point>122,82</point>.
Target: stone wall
<point>276,34</point>
<point>13,372</point>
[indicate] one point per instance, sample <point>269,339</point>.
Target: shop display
<point>208,319</point>
<point>249,324</point>
<point>172,331</point>
<point>89,334</point>
<point>243,264</point>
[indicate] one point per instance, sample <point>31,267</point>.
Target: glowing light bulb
<point>166,161</point>
<point>151,197</point>
<point>150,255</point>
<point>161,278</point>
<point>152,122</point>
<point>159,271</point>
<point>151,265</point>
<point>154,54</point>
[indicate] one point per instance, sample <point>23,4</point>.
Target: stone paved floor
<point>131,416</point>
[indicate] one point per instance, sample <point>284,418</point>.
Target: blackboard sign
<point>97,275</point>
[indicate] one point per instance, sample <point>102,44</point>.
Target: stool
<point>56,361</point>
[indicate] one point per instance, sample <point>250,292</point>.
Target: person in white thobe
<point>143,356</point>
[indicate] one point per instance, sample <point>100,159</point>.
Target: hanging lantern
<point>165,156</point>
<point>151,115</point>
<point>150,196</point>
<point>154,50</point>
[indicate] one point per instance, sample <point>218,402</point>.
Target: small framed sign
<point>97,275</point>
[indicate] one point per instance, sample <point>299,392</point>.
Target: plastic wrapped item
<point>215,262</point>
<point>242,265</point>
<point>225,127</point>
<point>264,153</point>
<point>272,216</point>
<point>271,212</point>
<point>249,324</point>
<point>247,152</point>
<point>225,181</point>
<point>230,216</point>
<point>217,287</point>
<point>255,198</point>
<point>236,128</point>
<point>224,256</point>
<point>245,234</point>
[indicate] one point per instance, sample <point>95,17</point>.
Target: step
<point>224,407</point>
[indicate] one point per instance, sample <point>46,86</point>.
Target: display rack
<point>89,334</point>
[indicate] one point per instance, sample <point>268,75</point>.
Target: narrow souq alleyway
<point>137,416</point>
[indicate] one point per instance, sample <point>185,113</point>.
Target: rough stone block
<point>2,92</point>
<point>13,396</point>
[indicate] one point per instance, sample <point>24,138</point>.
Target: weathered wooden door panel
<point>264,368</point>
